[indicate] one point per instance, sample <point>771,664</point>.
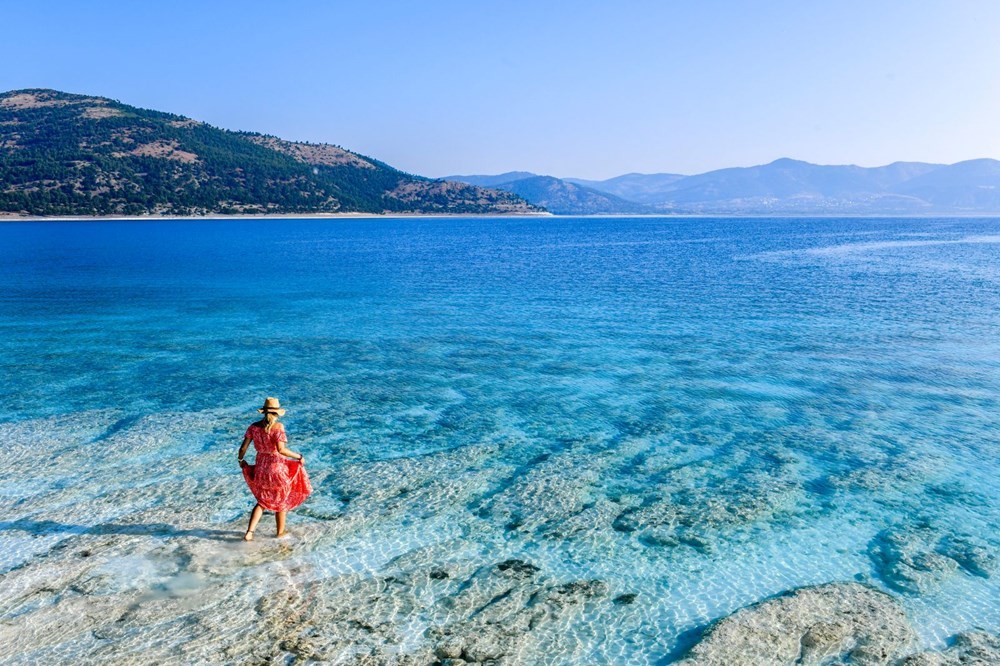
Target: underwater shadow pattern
<point>161,530</point>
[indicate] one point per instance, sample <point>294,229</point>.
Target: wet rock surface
<point>834,623</point>
<point>503,608</point>
<point>498,613</point>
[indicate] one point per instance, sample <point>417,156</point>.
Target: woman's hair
<point>270,418</point>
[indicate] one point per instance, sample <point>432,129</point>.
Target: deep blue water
<point>703,412</point>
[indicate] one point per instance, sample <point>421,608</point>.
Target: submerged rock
<point>975,556</point>
<point>905,560</point>
<point>500,610</point>
<point>694,502</point>
<point>557,497</point>
<point>846,622</point>
<point>518,568</point>
<point>974,648</point>
<point>917,558</point>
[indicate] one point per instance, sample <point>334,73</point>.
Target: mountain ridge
<point>69,154</point>
<point>796,187</point>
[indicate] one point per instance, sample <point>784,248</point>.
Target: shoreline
<point>260,216</point>
<point>7,217</point>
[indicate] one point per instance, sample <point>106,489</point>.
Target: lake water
<point>688,415</point>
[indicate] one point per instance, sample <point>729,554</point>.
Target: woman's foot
<point>248,536</point>
<point>280,534</point>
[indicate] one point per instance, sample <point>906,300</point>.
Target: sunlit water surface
<point>697,412</point>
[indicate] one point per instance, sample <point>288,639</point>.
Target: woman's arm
<point>243,450</point>
<point>285,451</point>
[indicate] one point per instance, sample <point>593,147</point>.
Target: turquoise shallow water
<point>697,412</point>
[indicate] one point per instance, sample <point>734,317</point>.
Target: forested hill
<point>65,154</point>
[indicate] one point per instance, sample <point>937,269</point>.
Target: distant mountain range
<point>784,186</point>
<point>65,154</point>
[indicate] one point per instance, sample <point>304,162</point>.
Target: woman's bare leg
<point>279,518</point>
<point>255,515</point>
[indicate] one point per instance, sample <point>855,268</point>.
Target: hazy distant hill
<point>64,154</point>
<point>793,186</point>
<point>968,186</point>
<point>788,186</point>
<point>647,188</point>
<point>492,181</point>
<point>556,195</point>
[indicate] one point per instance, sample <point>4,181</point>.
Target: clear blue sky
<point>589,89</point>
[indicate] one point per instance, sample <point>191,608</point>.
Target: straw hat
<point>272,405</point>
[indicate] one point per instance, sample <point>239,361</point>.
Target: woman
<point>278,476</point>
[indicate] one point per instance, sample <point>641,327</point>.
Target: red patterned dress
<point>278,483</point>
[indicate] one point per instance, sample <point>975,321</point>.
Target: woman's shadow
<point>160,530</point>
